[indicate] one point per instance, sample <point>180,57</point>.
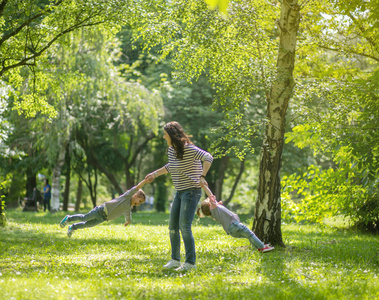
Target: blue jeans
<point>46,203</point>
<point>181,216</point>
<point>239,230</point>
<point>93,218</point>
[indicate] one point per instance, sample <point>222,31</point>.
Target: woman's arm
<point>151,176</point>
<point>206,167</point>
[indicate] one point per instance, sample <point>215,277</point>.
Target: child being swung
<point>229,221</point>
<point>108,211</point>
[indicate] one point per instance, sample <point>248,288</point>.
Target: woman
<point>188,175</point>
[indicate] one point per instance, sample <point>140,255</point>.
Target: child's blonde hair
<point>141,193</point>
<point>204,209</point>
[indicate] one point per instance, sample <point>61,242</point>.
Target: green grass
<point>109,261</point>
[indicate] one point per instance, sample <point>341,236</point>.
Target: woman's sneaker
<point>185,267</point>
<point>64,221</point>
<point>172,264</point>
<point>266,248</point>
<point>70,231</point>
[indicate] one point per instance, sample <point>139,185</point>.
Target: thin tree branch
<point>362,30</point>
<point>236,181</point>
<point>351,51</point>
<point>140,147</point>
<point>39,53</point>
<point>23,25</point>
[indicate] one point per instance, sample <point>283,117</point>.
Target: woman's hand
<point>203,182</point>
<point>150,177</point>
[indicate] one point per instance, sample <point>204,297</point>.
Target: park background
<point>284,94</point>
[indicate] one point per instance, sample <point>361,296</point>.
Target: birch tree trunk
<point>55,202</point>
<point>267,221</point>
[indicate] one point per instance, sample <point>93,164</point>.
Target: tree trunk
<point>68,179</point>
<point>160,194</point>
<point>129,176</point>
<point>31,182</point>
<point>130,160</point>
<point>267,221</point>
<point>92,189</point>
<point>109,175</point>
<point>79,194</point>
<point>221,176</point>
<point>55,182</point>
<point>3,219</point>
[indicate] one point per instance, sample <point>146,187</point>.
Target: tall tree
<point>238,52</point>
<point>339,120</point>
<point>267,220</point>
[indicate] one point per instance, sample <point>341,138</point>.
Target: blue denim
<point>239,230</point>
<point>93,218</point>
<point>181,216</point>
<point>46,202</point>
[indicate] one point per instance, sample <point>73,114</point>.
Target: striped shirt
<point>186,172</point>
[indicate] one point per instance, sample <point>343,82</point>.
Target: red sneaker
<point>266,248</point>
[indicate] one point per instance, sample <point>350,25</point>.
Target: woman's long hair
<point>178,137</point>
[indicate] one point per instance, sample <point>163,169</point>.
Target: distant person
<point>230,222</point>
<point>46,195</point>
<point>108,211</point>
<point>188,166</point>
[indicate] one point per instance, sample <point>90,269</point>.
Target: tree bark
<point>79,194</point>
<point>107,173</point>
<point>267,221</point>
<point>130,160</point>
<point>221,176</point>
<point>68,179</point>
<point>31,181</point>
<point>55,182</point>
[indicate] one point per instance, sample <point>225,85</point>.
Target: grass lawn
<point>109,261</point>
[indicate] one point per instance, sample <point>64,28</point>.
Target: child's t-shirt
<point>121,206</point>
<point>224,216</point>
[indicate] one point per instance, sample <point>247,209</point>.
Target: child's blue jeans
<point>239,230</point>
<point>96,216</point>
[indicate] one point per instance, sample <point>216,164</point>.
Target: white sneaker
<point>185,267</point>
<point>172,264</point>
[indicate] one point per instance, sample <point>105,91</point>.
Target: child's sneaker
<point>64,221</point>
<point>70,231</point>
<point>172,264</point>
<point>266,248</point>
<point>185,267</point>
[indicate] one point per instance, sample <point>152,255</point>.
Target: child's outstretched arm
<point>212,198</point>
<point>142,183</point>
<point>208,191</point>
